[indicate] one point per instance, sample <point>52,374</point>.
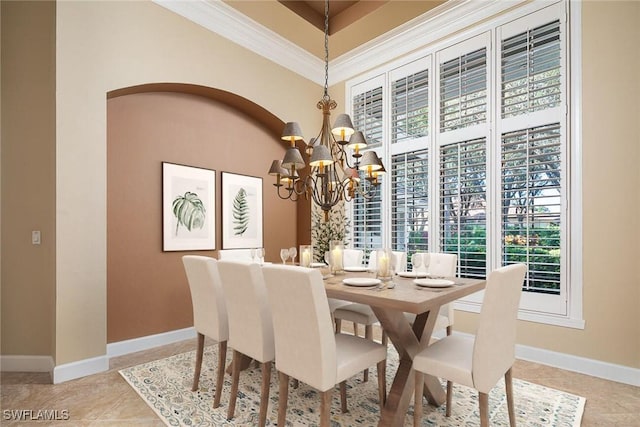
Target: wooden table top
<point>405,296</point>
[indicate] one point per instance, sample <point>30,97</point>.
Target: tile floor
<point>105,399</point>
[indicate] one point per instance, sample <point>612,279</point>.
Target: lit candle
<point>306,258</point>
<point>337,259</point>
<point>383,266</point>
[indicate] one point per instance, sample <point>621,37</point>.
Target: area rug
<point>165,385</point>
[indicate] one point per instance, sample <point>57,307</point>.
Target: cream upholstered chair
<point>353,257</point>
<point>235,254</point>
<point>209,313</point>
<point>250,325</point>
<point>361,314</point>
<point>440,264</point>
<point>479,362</point>
<point>306,347</point>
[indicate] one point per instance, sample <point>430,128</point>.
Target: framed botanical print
<point>241,211</point>
<point>188,208</point>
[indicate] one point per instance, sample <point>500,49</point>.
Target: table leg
<point>405,339</point>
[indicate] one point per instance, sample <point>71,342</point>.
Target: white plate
<point>411,274</point>
<point>318,264</point>
<point>434,283</point>
<point>361,281</point>
<point>355,268</point>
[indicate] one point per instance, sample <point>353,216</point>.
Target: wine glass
<point>253,254</point>
<point>261,254</point>
<point>416,261</point>
<point>425,262</point>
<point>292,253</point>
<point>284,254</point>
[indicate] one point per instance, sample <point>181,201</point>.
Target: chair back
<point>441,264</point>
<point>207,296</point>
<point>494,347</point>
<point>250,323</point>
<point>353,257</point>
<point>399,257</point>
<point>304,336</point>
<point>235,254</point>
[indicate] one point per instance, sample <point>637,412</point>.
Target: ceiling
<point>351,24</point>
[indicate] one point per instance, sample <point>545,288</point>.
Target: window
<point>479,124</point>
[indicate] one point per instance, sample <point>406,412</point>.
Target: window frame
<point>569,15</point>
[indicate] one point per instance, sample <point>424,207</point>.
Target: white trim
<point>12,363</point>
<point>121,348</point>
<point>79,369</point>
<point>595,368</point>
<point>227,22</point>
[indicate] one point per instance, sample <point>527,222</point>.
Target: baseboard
<point>121,348</point>
<point>11,363</point>
<point>79,369</point>
<point>582,365</point>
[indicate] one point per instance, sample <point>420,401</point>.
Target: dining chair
<point>439,264</point>
<point>362,314</point>
<point>209,313</point>
<point>478,363</point>
<point>250,326</point>
<point>235,254</point>
<point>307,347</point>
<point>353,257</point>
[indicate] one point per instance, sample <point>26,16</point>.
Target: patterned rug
<point>165,385</point>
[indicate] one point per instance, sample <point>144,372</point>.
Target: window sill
<point>529,316</point>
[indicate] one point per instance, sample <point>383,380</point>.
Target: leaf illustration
<point>240,213</point>
<point>189,210</point>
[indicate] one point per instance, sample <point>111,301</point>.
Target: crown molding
<point>451,16</point>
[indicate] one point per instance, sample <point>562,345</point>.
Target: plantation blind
<point>531,183</point>
<point>463,90</point>
<point>367,222</point>
<point>463,204</point>
<point>367,115</point>
<point>410,202</point>
<point>410,107</point>
<point>531,70</point>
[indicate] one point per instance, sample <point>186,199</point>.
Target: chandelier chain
<point>326,49</point>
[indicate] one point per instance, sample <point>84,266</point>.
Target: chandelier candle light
<point>332,178</point>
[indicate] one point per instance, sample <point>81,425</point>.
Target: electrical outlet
<point>35,237</point>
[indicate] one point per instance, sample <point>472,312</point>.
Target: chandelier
<point>333,176</point>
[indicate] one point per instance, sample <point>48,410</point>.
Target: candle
<point>306,258</point>
<point>337,259</point>
<point>383,266</point>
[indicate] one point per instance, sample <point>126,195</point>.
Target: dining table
<point>390,301</point>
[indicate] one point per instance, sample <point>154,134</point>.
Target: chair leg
<point>235,378</point>
<point>417,404</point>
<point>296,383</point>
<point>264,392</point>
<point>222,361</point>
<point>368,334</point>
<point>325,408</point>
<point>199,352</point>
<point>283,395</point>
<point>343,397</point>
<point>508,381</point>
<point>385,338</point>
<point>449,330</point>
<point>355,329</point>
<point>382,383</point>
<point>483,401</point>
<point>338,323</point>
<point>449,398</point>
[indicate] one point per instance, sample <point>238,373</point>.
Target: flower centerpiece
<point>336,227</point>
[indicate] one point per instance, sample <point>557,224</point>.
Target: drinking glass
<point>416,261</point>
<point>292,253</point>
<point>425,262</point>
<point>284,254</point>
<point>261,254</point>
<point>253,254</point>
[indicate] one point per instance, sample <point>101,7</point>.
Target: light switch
<point>35,237</point>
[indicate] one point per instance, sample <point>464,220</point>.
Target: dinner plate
<point>434,283</point>
<point>354,268</point>
<point>361,281</point>
<point>318,264</point>
<point>411,274</point>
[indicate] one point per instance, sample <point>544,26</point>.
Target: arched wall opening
<point>147,291</point>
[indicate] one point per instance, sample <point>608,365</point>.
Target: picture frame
<point>188,208</point>
<point>242,211</point>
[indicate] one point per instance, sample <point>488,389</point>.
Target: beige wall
<point>104,46</point>
<point>28,177</point>
<point>611,195</point>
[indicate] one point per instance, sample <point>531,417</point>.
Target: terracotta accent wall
<point>147,291</point>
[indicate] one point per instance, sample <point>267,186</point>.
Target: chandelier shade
<point>336,164</point>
